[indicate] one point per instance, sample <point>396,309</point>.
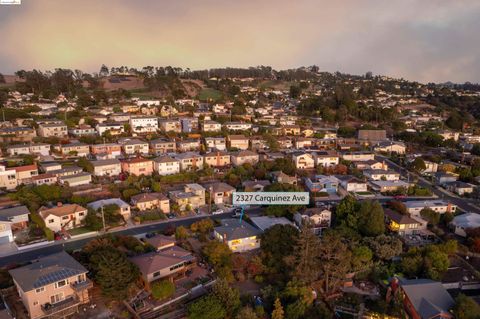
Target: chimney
<point>59,204</point>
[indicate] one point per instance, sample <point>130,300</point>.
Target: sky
<point>422,40</point>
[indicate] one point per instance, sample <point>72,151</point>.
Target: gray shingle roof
<point>232,229</point>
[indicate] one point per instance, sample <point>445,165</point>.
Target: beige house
<point>61,217</point>
<point>220,193</point>
<point>74,149</point>
<point>162,146</point>
<point>190,161</point>
<point>217,159</point>
<point>193,196</point>
<point>170,126</point>
<point>244,157</point>
<point>53,286</point>
<point>108,167</point>
<point>303,160</point>
<point>24,174</point>
<point>149,201</point>
<point>8,178</point>
<point>239,142</point>
<point>52,130</point>
<point>165,165</point>
<point>138,166</point>
<point>211,126</point>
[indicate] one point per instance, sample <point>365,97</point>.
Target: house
<point>255,186</point>
<point>190,161</point>
<point>460,188</point>
<point>211,126</point>
<point>265,222</point>
<point>17,134</point>
<point>106,151</point>
<point>217,159</point>
<point>358,156</point>
<point>390,147</point>
<point>73,149</point>
<point>303,142</point>
<point>285,142</point>
<point>318,218</point>
<point>54,286</point>
<point>415,207</point>
<point>52,130</point>
<point>137,166</point>
<point>110,128</point>
<point>352,184</point>
<point>379,174</point>
<point>189,124</point>
<point>303,160</point>
<point>426,299</point>
<point>8,178</point>
<point>449,135</point>
<point>220,193</point>
<point>463,222</point>
<point>49,167</point>
<point>124,208</point>
<point>370,164</point>
<point>326,158</point>
<point>44,179</point>
<point>192,197</point>
<point>291,130</point>
<point>322,184</point>
<point>403,224</point>
<point>372,136</point>
<point>32,149</point>
<point>282,178</point>
<point>240,236</point>
<point>243,157</point>
<point>108,167</point>
<point>388,186</point>
<point>237,126</point>
<point>188,145</point>
<point>442,178</point>
<point>162,146</point>
<point>161,242</point>
<point>166,165</point>
<point>144,124</point>
<point>170,126</point>
<point>82,178</point>
<point>216,143</point>
<point>11,220</point>
<point>82,130</point>
<point>66,171</point>
<point>25,173</point>
<point>169,263</point>
<point>258,143</point>
<point>430,167</point>
<point>132,146</point>
<point>238,142</point>
<point>61,217</point>
<point>149,201</point>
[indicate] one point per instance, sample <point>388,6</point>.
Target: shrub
<point>163,289</point>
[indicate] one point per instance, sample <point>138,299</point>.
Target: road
<point>465,204</point>
<point>74,244</point>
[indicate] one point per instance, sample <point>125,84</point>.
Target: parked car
<point>218,211</point>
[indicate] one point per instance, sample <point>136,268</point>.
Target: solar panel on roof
<point>55,276</point>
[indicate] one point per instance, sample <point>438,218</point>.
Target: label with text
<point>271,198</point>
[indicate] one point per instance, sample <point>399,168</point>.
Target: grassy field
<point>209,94</point>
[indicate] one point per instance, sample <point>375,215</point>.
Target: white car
<point>218,211</point>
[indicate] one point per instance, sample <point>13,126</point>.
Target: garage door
<point>4,240</point>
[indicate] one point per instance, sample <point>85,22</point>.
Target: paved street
<point>73,244</point>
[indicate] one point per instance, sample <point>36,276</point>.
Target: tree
<point>163,289</point>
<point>384,247</point>
<point>277,243</point>
<point>181,233</point>
<point>277,310</point>
<point>436,262</point>
<point>466,308</point>
<point>361,257</point>
<point>228,297</point>
<point>85,164</point>
<point>246,313</point>
<point>203,227</point>
<point>93,221</point>
<point>219,256</point>
<point>113,272</point>
<point>295,91</point>
<point>430,215</point>
<point>398,207</point>
<point>334,260</point>
<point>419,164</point>
<point>208,307</point>
<point>412,262</point>
<point>346,212</point>
<point>371,218</point>
<point>304,258</point>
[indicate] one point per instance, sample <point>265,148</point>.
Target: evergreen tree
<point>371,219</point>
<point>278,312</point>
<point>304,259</point>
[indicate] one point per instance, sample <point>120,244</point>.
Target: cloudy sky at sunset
<point>437,40</point>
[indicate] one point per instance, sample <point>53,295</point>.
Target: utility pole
<point>103,220</point>
<point>210,200</point>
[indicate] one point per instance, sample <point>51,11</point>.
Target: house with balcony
<point>54,286</point>
<point>25,173</point>
<point>166,165</point>
<point>144,124</point>
<point>192,196</point>
<point>217,159</point>
<point>29,149</point>
<point>82,130</point>
<point>216,143</point>
<point>149,201</point>
<point>381,175</point>
<point>161,146</point>
<point>110,128</point>
<point>303,160</point>
<point>237,126</point>
<point>243,157</point>
<point>220,193</point>
<point>44,179</point>
<point>63,216</point>
<point>137,166</point>
<point>211,126</point>
<point>403,224</point>
<point>131,146</point>
<point>318,218</point>
<point>326,158</point>
<point>108,167</point>
<point>240,236</point>
<point>190,161</point>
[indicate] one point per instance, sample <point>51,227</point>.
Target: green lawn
<point>79,231</point>
<point>210,94</point>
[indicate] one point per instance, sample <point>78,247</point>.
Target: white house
<point>462,223</point>
<point>66,216</point>
<point>380,174</point>
<point>108,167</point>
<point>144,124</point>
<point>165,165</point>
<point>326,158</point>
<point>303,160</point>
<point>439,206</point>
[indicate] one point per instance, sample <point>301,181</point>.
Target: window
<point>35,303</point>
<point>41,289</point>
<point>156,274</point>
<point>56,298</point>
<point>51,221</point>
<point>65,217</point>
<point>81,214</point>
<point>61,283</point>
